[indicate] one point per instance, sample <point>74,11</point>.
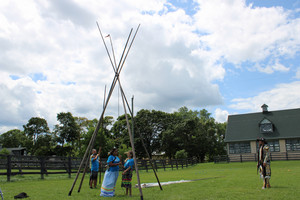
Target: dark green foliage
<point>4,151</point>
<point>35,127</point>
<point>13,138</point>
<point>149,126</point>
<point>181,154</point>
<point>195,133</point>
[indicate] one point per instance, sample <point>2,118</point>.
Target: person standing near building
<point>263,164</point>
<point>94,168</point>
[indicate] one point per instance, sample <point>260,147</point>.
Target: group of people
<point>112,172</point>
<point>113,166</point>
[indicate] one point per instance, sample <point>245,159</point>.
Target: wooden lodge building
<point>280,128</point>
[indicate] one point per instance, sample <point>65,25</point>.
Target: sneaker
<point>263,188</point>
<point>91,187</point>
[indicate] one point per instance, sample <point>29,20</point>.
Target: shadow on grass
<point>279,186</point>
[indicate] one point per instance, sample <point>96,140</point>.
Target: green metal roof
<point>245,127</point>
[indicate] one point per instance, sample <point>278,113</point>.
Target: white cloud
<point>175,59</point>
<point>242,33</point>
<point>283,96</point>
<point>297,73</point>
<point>271,68</point>
<point>221,115</point>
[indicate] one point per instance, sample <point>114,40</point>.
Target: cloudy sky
<point>227,56</point>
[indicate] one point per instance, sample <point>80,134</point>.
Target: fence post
<point>164,164</point>
<point>241,157</point>
<point>287,156</point>
<point>146,164</point>
<point>20,159</point>
<point>181,164</point>
<point>271,156</point>
<point>171,163</point>
<point>42,161</point>
<point>8,167</point>
<point>155,165</point>
<point>177,164</point>
<point>186,163</point>
<point>70,166</point>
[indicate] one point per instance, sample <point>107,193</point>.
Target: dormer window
<point>266,126</point>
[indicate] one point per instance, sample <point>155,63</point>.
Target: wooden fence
<point>14,165</point>
<point>253,157</point>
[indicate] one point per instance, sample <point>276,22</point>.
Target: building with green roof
<point>280,128</point>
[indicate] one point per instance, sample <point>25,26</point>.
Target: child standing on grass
<point>127,173</point>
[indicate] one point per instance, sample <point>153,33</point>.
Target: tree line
<point>183,133</point>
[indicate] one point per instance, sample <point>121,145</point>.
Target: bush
<point>4,151</point>
<point>182,154</point>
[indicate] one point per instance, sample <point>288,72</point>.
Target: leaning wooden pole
<point>150,161</point>
<point>117,70</point>
<point>91,143</point>
<point>133,149</point>
<point>132,116</point>
<point>122,92</point>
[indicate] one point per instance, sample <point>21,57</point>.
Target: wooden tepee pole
<point>133,149</point>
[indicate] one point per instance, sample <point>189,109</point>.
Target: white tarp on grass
<point>146,185</point>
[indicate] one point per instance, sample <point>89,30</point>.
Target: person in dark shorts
<point>94,168</point>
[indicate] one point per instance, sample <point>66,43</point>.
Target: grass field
<point>217,181</point>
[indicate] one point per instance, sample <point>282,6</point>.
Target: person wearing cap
<point>127,173</point>
<point>263,164</point>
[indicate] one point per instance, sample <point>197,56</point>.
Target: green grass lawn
<point>217,181</point>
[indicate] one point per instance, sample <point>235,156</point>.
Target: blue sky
<point>226,56</point>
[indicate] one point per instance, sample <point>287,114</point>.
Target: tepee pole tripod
<point>91,143</point>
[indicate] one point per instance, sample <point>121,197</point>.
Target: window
<point>266,126</point>
<point>293,145</point>
<point>273,144</point>
<point>243,147</point>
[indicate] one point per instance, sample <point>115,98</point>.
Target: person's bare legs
<point>91,183</point>
<point>95,183</point>
<point>129,191</point>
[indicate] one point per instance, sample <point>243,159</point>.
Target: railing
<point>14,165</point>
<point>253,157</point>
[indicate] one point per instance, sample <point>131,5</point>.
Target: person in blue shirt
<point>94,168</point>
<point>111,174</point>
<point>127,173</point>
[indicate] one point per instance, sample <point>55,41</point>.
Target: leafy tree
<point>149,126</point>
<point>103,138</point>
<point>44,146</point>
<point>119,131</point>
<point>13,138</point>
<point>196,132</point>
<point>35,127</point>
<point>67,131</point>
<point>181,154</point>
<point>4,151</point>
